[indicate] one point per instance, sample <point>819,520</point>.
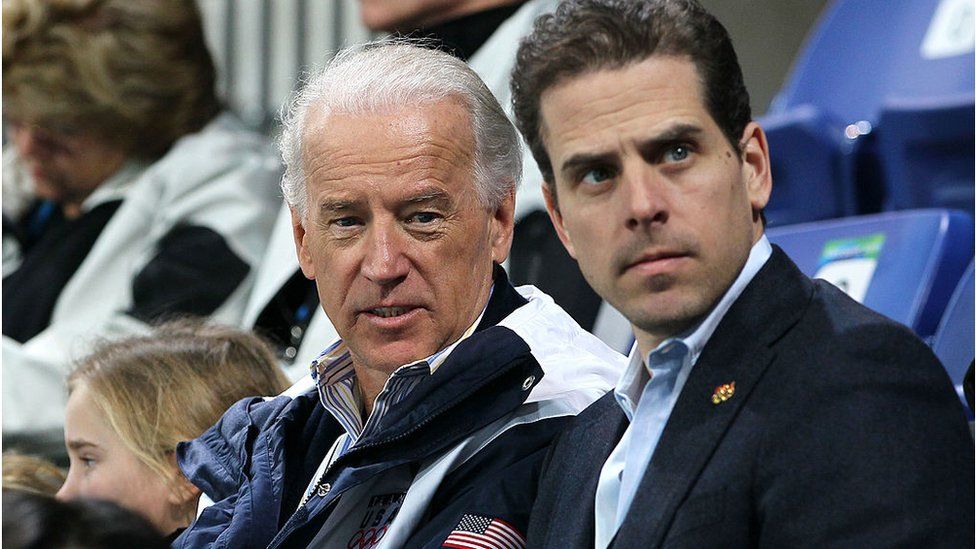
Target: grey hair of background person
<point>383,76</point>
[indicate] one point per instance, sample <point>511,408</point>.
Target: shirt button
<point>324,489</point>
<point>290,352</point>
<point>297,332</point>
<point>527,384</point>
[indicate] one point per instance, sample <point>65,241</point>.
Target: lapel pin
<point>723,393</point>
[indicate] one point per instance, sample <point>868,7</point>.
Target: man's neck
<point>648,341</point>
<point>370,382</point>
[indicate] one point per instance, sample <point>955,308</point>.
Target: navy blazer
<point>843,430</point>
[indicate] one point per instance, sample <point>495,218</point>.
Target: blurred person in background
<point>484,33</point>
<point>127,194</point>
<point>36,521</point>
<point>31,474</point>
<point>134,399</point>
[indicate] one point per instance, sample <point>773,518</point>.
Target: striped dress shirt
<point>339,392</point>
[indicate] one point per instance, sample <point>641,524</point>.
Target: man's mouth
<point>389,312</point>
<point>656,258</point>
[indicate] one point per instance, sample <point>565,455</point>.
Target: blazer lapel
<point>739,351</point>
<point>571,521</point>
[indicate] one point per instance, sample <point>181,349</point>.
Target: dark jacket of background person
<point>858,444</point>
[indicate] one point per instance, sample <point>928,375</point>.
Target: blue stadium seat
<point>810,166</point>
<point>868,65</point>
<point>904,265</point>
<point>953,342</point>
<point>926,150</point>
<point>865,52</point>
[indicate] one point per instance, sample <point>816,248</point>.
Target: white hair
<point>393,73</point>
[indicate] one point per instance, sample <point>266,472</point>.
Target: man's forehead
<point>420,115</point>
<point>660,89</point>
<point>432,141</point>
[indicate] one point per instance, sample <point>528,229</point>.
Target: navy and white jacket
<point>466,443</point>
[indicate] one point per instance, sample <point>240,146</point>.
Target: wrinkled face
<point>653,201</point>
<point>65,165</point>
<point>102,467</point>
<point>396,238</point>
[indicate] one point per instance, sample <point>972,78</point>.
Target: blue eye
<point>346,222</point>
<point>678,153</point>
<point>424,217</point>
<point>596,176</point>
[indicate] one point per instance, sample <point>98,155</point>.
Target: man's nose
<point>384,262</point>
<point>645,198</point>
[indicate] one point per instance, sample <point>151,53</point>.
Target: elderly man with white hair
<point>426,424</point>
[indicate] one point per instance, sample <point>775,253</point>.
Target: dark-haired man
<point>760,408</point>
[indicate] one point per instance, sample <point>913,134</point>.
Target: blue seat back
<point>864,52</point>
<point>901,264</point>
<point>889,86</point>
<point>926,147</point>
<point>953,342</point>
<point>810,163</point>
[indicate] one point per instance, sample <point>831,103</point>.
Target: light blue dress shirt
<point>646,392</point>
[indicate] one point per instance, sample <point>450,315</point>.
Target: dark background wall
<point>767,35</point>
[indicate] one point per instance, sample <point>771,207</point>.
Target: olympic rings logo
<point>365,539</point>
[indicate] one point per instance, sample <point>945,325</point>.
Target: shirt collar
<point>668,354</point>
<point>335,379</point>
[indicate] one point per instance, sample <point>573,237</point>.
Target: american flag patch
<point>478,532</point>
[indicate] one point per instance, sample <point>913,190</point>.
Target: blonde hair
<point>172,385</point>
<point>135,73</point>
<point>31,474</point>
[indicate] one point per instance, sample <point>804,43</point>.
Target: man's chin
<point>665,315</point>
<point>389,356</point>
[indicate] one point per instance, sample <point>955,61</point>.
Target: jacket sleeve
<point>193,272</point>
<point>877,453</point>
<point>499,484</point>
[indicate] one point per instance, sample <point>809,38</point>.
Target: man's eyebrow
<point>336,205</point>
<point>587,159</point>
<point>427,196</point>
<point>79,443</point>
<point>677,132</point>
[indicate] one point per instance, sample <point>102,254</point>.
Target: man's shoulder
<point>222,446</point>
<point>852,330</point>
<point>578,367</point>
<point>600,422</point>
<point>815,315</point>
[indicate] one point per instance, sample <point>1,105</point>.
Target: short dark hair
<point>584,36</point>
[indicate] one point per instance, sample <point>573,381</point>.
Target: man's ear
<point>755,167</point>
<point>304,257</point>
<point>552,206</point>
<point>502,227</point>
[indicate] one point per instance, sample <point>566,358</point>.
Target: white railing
<point>262,47</point>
